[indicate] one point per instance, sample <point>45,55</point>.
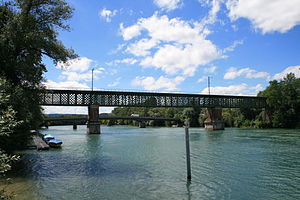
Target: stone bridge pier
<point>142,124</point>
<point>214,119</point>
<point>93,123</point>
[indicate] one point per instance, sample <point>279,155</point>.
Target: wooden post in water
<point>188,159</point>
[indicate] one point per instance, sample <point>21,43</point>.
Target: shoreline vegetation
<point>28,32</point>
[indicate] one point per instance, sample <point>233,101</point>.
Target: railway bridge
<point>94,99</point>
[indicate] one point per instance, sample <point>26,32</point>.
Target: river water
<point>134,163</point>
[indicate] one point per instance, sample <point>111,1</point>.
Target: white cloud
<point>142,47</point>
<point>182,60</point>
<point>74,76</point>
<point>149,83</point>
<point>210,70</point>
<point>99,70</point>
<point>241,89</point>
<point>257,88</point>
<point>292,69</point>
<point>78,69</point>
<point>182,48</point>
<point>233,46</point>
<point>267,15</point>
<point>211,18</point>
<point>233,73</point>
<point>130,61</point>
<point>120,47</point>
<point>80,64</point>
<point>65,85</point>
<point>170,30</point>
<point>202,79</point>
<point>107,14</point>
<point>130,32</point>
<point>168,5</point>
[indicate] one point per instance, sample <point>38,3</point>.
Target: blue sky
<point>174,45</point>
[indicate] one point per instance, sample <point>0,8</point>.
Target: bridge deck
<point>145,99</point>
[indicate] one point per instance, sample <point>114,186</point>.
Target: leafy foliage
<point>283,111</point>
<point>283,99</point>
<point>184,114</point>
<point>233,117</point>
<point>5,161</point>
<point>28,32</point>
<point>8,124</point>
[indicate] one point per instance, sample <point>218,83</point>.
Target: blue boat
<point>55,143</point>
<point>48,137</point>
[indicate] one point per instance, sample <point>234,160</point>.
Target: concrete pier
<point>214,119</point>
<point>74,126</point>
<point>93,124</point>
<point>142,124</point>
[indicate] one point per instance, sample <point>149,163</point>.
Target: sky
<point>175,45</point>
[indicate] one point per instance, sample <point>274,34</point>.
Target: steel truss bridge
<point>146,99</point>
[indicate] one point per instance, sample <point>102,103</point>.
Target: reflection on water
<point>133,163</point>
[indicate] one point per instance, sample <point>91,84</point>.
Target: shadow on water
<point>88,162</point>
<point>202,134</point>
<point>188,189</point>
<point>215,135</point>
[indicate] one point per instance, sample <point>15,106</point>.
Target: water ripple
<point>133,163</point>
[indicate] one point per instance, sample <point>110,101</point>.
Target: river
<point>135,163</point>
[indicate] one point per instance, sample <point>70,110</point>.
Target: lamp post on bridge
<point>208,84</point>
<point>92,79</point>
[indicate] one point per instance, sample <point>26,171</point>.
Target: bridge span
<point>146,99</point>
<point>94,99</point>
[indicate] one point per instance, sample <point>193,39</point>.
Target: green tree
<point>28,32</point>
<point>233,117</point>
<point>8,124</point>
<point>191,116</point>
<point>283,100</point>
<point>149,112</point>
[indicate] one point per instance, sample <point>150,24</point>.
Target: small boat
<point>48,137</point>
<point>55,143</point>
